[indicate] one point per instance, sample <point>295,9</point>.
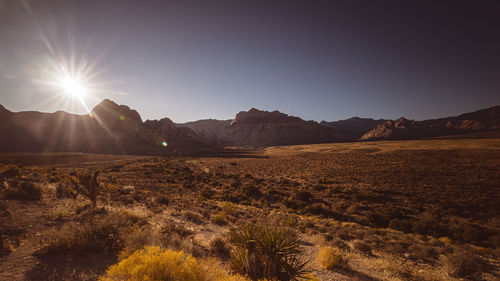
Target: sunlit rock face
<point>402,128</point>
<point>263,128</point>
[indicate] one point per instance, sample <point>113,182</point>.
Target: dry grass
<point>412,204</point>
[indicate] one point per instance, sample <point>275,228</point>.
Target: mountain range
<point>117,129</point>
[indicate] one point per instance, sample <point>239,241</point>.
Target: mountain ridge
<point>118,129</point>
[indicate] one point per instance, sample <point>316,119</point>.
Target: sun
<point>72,86</point>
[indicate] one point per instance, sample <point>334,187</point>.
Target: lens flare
<point>73,86</point>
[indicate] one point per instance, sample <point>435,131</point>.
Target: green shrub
<point>270,252</point>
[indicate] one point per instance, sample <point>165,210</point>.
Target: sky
<point>190,60</point>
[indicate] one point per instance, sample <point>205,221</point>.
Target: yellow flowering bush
<point>156,264</point>
<point>329,257</point>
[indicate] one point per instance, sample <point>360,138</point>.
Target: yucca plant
<point>270,252</point>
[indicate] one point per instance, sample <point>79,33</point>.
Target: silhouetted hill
<point>355,127</point>
<point>117,129</point>
<point>109,128</point>
<point>402,128</point>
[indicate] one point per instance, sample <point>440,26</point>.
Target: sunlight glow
<point>73,86</point>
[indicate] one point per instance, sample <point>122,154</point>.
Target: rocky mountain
<point>108,128</point>
<point>211,129</point>
<point>402,128</point>
<point>263,128</point>
<point>117,129</point>
<point>354,127</point>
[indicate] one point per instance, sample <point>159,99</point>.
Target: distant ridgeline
<point>117,129</point>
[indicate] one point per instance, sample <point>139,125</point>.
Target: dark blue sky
<point>320,60</point>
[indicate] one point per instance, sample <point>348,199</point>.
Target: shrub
<point>362,247</point>
<point>251,191</point>
<point>94,235</point>
<point>162,200</point>
<point>156,264</point>
<point>270,252</point>
<point>304,196</point>
<point>9,171</point>
<point>136,240</point>
<point>25,191</point>
<point>423,253</point>
<point>172,235</point>
<point>63,191</point>
<point>227,208</point>
<point>400,224</point>
<point>207,193</point>
<point>219,219</point>
<point>465,264</point>
<point>219,248</point>
<point>194,217</point>
<point>329,258</point>
<point>318,209</point>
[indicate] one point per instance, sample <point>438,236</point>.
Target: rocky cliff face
<point>402,128</point>
<point>211,130</point>
<point>263,128</point>
<point>117,129</point>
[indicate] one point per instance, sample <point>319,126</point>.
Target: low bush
<point>228,208</point>
<point>172,235</point>
<point>423,253</point>
<point>9,171</point>
<point>24,191</point>
<point>137,239</point>
<point>207,193</point>
<point>219,247</point>
<point>304,196</point>
<point>251,191</point>
<point>330,258</point>
<point>219,219</point>
<point>156,264</point>
<point>465,264</point>
<point>95,234</point>
<point>362,247</point>
<point>194,217</point>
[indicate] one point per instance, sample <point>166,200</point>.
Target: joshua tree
<point>90,183</point>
